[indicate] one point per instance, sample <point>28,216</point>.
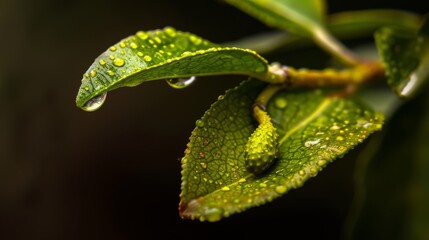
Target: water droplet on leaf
<point>147,58</point>
<point>119,62</point>
<point>93,73</point>
<point>311,143</point>
<point>280,189</point>
<point>133,45</point>
<point>213,214</point>
<point>280,103</point>
<point>199,123</point>
<point>95,103</point>
<point>180,83</point>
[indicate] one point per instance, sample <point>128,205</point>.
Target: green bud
<point>262,147</point>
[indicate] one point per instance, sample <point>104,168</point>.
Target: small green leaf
<point>300,17</point>
<point>162,54</point>
<point>315,128</point>
<point>406,58</point>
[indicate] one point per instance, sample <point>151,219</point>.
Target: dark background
<point>114,173</point>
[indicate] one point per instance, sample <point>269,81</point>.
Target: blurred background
<point>114,173</point>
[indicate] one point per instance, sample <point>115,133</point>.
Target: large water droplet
<point>280,103</point>
<point>133,45</point>
<point>180,83</point>
<point>311,143</point>
<point>280,189</point>
<point>212,214</point>
<point>119,62</point>
<point>95,103</point>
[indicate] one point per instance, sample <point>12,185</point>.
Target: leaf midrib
<point>322,106</point>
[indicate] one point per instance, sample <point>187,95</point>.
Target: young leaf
<point>304,18</point>
<point>406,58</point>
<point>299,17</point>
<point>162,54</point>
<point>315,128</point>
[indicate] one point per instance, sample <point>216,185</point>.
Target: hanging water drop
<point>95,103</point>
<point>280,103</point>
<point>180,83</point>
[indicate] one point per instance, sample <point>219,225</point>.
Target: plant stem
<point>333,77</point>
<point>328,42</point>
<point>266,94</point>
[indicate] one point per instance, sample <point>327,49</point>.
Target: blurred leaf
<point>315,128</point>
<point>343,25</point>
<point>301,17</point>
<point>406,58</point>
<point>365,22</point>
<point>162,54</point>
<point>392,195</point>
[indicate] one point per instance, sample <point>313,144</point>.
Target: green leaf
<point>162,54</point>
<point>301,17</point>
<point>315,128</point>
<point>406,58</point>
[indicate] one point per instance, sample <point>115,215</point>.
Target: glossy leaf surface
<point>299,17</point>
<point>315,128</point>
<point>406,58</point>
<point>163,54</point>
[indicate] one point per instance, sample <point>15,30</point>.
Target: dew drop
<point>93,73</point>
<point>142,35</point>
<point>199,123</point>
<point>225,189</point>
<point>339,138</point>
<point>311,143</point>
<point>280,189</point>
<point>335,127</point>
<point>119,62</point>
<point>213,214</point>
<point>95,103</point>
<point>140,54</point>
<point>170,31</point>
<point>203,165</point>
<point>280,103</point>
<point>147,58</point>
<point>242,180</point>
<point>133,45</point>
<point>158,40</point>
<point>112,49</point>
<point>110,73</point>
<point>195,40</point>
<point>180,83</point>
<point>321,162</point>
